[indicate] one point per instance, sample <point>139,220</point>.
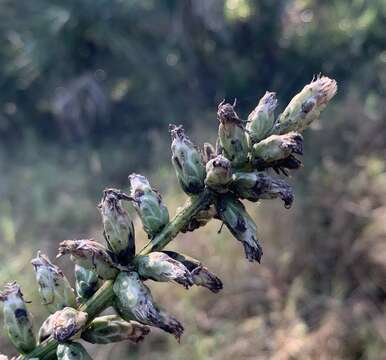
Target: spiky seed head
<point>200,274</point>
<point>112,328</point>
<point>307,105</point>
<point>86,282</point>
<point>72,351</point>
<point>187,162</point>
<point>17,320</point>
<point>218,174</point>
<point>160,267</point>
<point>135,302</point>
<point>148,204</point>
<point>90,255</point>
<point>262,119</point>
<point>232,212</point>
<point>67,322</point>
<point>54,288</point>
<point>118,227</point>
<point>232,136</point>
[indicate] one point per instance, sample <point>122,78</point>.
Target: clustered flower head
<point>216,179</point>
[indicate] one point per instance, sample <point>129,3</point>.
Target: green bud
<point>72,351</point>
<point>278,147</point>
<point>200,219</point>
<point>200,274</point>
<point>112,328</point>
<point>307,105</point>
<point>262,119</point>
<point>232,136</point>
<point>160,267</point>
<point>254,186</point>
<point>54,289</point>
<point>66,323</point>
<point>148,203</point>
<point>187,162</point>
<point>17,320</point>
<point>86,282</point>
<point>232,212</point>
<point>135,302</point>
<point>90,255</point>
<point>118,227</point>
<point>218,174</point>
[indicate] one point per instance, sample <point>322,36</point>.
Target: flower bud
<point>66,323</point>
<point>3,357</point>
<point>187,162</point>
<point>232,135</point>
<point>72,351</point>
<point>112,328</point>
<point>232,212</point>
<point>277,147</point>
<point>54,289</point>
<point>117,225</point>
<point>160,267</point>
<point>307,105</point>
<point>86,282</point>
<point>200,219</point>
<point>17,320</point>
<point>90,255</point>
<point>218,174</point>
<point>200,274</point>
<point>134,301</point>
<point>254,186</point>
<point>262,119</point>
<point>148,203</point>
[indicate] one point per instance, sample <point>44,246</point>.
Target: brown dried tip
<point>326,89</point>
<point>227,113</point>
<point>10,289</point>
<point>171,325</point>
<point>177,132</point>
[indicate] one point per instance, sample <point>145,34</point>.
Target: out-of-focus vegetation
<point>87,89</point>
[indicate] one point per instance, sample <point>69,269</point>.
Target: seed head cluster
<point>244,164</point>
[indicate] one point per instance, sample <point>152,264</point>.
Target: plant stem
<point>182,218</point>
<point>103,297</point>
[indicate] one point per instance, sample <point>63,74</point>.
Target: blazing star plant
<point>115,275</point>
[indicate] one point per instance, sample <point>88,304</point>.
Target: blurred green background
<point>87,90</point>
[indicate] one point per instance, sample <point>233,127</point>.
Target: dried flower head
<point>187,162</point>
<point>307,105</point>
<point>90,255</point>
<point>54,288</point>
<point>117,225</point>
<point>17,319</point>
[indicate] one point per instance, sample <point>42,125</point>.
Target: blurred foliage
<point>87,89</point>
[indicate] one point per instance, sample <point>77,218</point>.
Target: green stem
<point>104,296</point>
<point>182,218</point>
